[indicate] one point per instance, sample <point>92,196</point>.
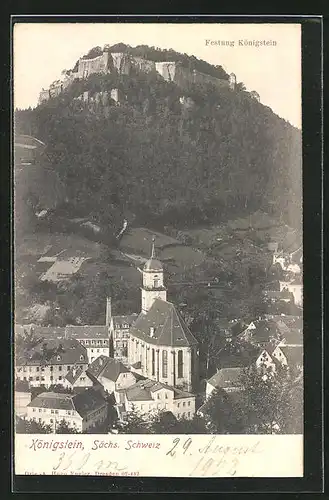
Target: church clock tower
<point>153,286</point>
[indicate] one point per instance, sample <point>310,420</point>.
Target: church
<point>160,344</point>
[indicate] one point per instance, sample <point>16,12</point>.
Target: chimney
<point>151,331</point>
<point>108,311</point>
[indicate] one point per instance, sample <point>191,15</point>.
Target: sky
<point>43,50</point>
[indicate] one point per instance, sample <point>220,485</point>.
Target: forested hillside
<point>155,157</point>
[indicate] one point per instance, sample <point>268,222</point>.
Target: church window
<point>180,364</point>
<point>156,283</point>
<point>153,362</point>
<point>164,364</point>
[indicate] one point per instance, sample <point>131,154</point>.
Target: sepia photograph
<point>158,253</point>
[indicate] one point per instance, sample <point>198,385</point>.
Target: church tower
<point>153,286</point>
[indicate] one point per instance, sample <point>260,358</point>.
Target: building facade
<point>38,371</point>
<point>147,396</point>
<point>160,341</point>
<point>82,411</point>
<point>111,374</point>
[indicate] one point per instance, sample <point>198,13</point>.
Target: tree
<point>64,428</point>
<point>222,414</point>
<point>29,426</point>
<point>135,423</point>
<point>167,423</point>
<point>269,403</point>
<point>25,343</point>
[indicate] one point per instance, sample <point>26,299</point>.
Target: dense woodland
<point>154,157</point>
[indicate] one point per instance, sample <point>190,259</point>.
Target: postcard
<point>158,251</point>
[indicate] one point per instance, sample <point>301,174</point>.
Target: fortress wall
<point>55,89</point>
<point>43,96</point>
<point>97,65</point>
<point>203,78</point>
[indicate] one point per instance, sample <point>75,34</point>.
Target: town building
<point>289,356</point>
<point>22,397</point>
<point>111,374</point>
<point>82,411</point>
<point>227,379</point>
<point>291,329</point>
<point>159,339</point>
<point>295,287</point>
<point>276,296</point>
<point>77,378</point>
<point>61,356</point>
<point>119,327</point>
<point>260,332</point>
<point>147,396</point>
<point>95,339</point>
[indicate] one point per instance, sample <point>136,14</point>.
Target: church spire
<point>153,247</point>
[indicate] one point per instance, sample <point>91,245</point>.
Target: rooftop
<point>84,402</point>
<point>238,357</point>
<point>293,354</point>
<point>69,331</point>
<point>73,375</point>
<point>165,325</point>
<point>107,367</point>
<point>143,390</point>
<point>55,352</point>
<point>226,377</point>
<point>124,321</point>
<point>153,265</point>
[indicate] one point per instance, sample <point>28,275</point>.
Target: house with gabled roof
<point>294,286</point>
<point>147,396</point>
<point>111,374</point>
<point>82,411</point>
<point>49,362</point>
<point>290,356</point>
<point>95,338</point>
<point>260,332</point>
<point>226,379</point>
<point>77,378</point>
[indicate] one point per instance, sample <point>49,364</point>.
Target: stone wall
<point>122,63</point>
<point>43,96</point>
<point>96,65</point>
<point>184,77</point>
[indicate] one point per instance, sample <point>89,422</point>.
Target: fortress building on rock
<point>124,64</point>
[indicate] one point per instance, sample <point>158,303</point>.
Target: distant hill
<point>181,157</point>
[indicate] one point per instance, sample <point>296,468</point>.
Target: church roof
<point>169,327</point>
<point>153,265</point>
